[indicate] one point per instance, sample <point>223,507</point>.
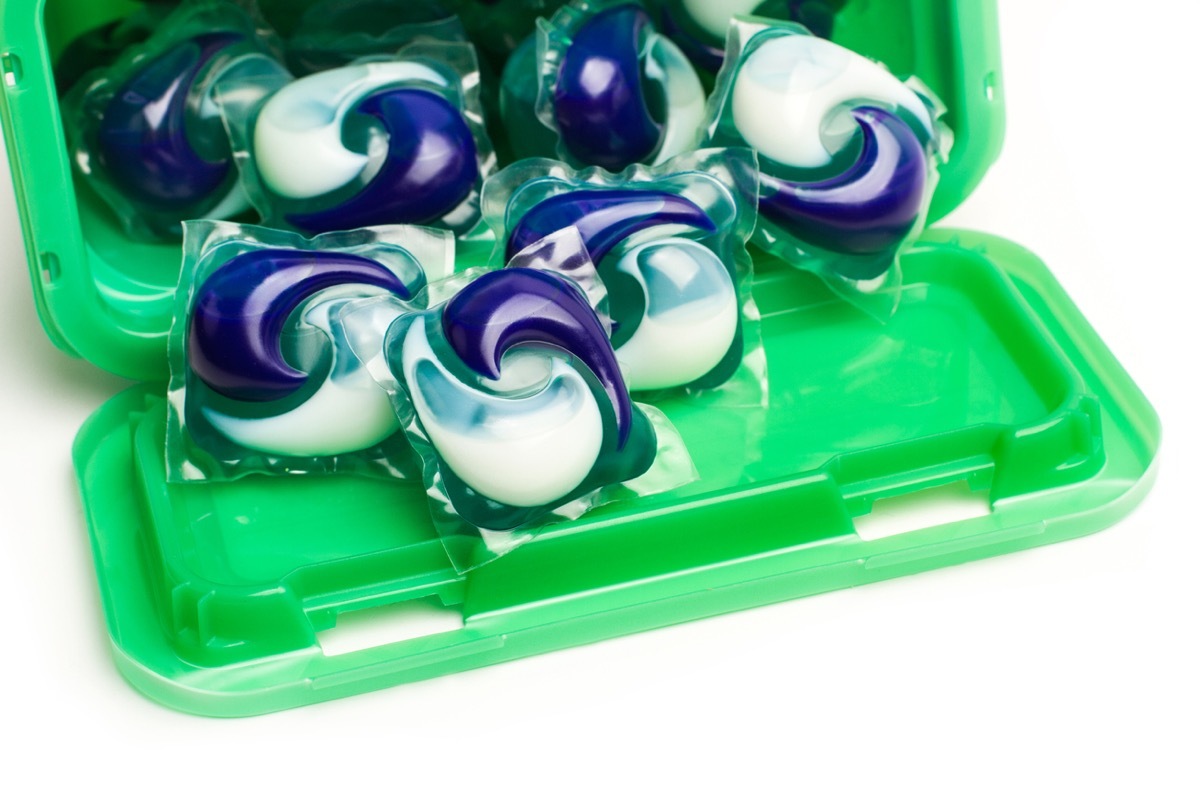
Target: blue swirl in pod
<point>599,101</point>
<point>520,396</point>
<point>363,145</point>
<point>673,300</point>
<point>504,310</point>
<point>278,399</point>
<point>143,138</point>
<point>865,212</point>
<point>603,107</point>
<point>431,165</point>
<point>605,218</point>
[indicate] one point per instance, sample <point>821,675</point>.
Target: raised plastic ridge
<point>214,594</point>
<point>108,299</point>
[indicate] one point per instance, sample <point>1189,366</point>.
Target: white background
<point>1070,670</point>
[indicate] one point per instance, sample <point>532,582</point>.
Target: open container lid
<point>218,596</point>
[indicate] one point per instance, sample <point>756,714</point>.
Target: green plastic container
<point>988,379</point>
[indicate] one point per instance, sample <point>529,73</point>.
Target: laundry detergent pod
<point>146,134</point>
<point>668,243</point>
<point>265,376</point>
<point>379,142</point>
<point>511,394</point>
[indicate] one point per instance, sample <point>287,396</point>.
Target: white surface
<point>714,15</point>
<point>1066,671</point>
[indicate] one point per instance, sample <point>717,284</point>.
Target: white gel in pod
<point>691,315</point>
<point>788,87</point>
<point>298,147</point>
<point>528,447</point>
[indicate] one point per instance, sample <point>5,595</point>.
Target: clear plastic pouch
<point>334,33</point>
<point>510,393</point>
<point>497,27</point>
<point>669,243</point>
<point>266,376</point>
<point>399,140</point>
<point>615,91</point>
<point>100,47</point>
<point>146,134</point>
<point>699,27</point>
<point>848,154</point>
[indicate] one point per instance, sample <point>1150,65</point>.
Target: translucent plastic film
<point>511,395</point>
<point>387,141</point>
<point>266,376</point>
<point>669,243</point>
<point>848,154</point>
<point>334,33</point>
<point>610,88</point>
<point>700,27</point>
<point>145,133</point>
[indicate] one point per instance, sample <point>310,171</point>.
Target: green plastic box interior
<point>988,379</point>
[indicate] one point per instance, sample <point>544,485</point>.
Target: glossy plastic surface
<point>700,26</point>
<point>109,299</point>
<point>428,173</point>
<point>848,154</point>
<point>265,375</point>
<point>144,131</point>
<point>669,244</point>
<point>511,439</point>
<point>332,33</point>
<point>215,594</point>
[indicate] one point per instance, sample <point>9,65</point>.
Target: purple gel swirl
<point>518,306</point>
<point>605,218</point>
<point>868,209</point>
<point>430,169</point>
<point>241,310</point>
<point>143,139</point>
<point>599,103</point>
